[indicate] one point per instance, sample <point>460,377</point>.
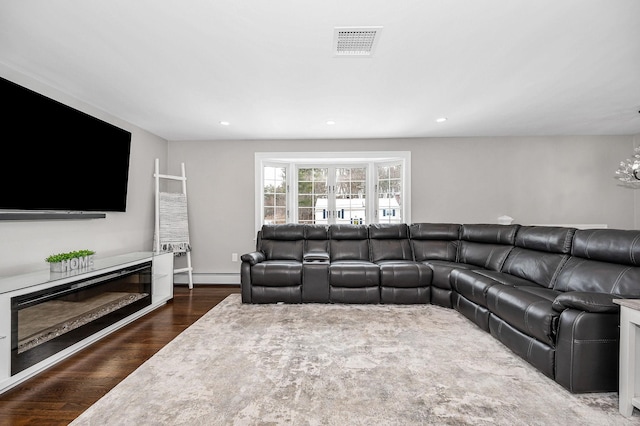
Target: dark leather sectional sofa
<point>544,292</point>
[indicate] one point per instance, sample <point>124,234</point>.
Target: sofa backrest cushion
<point>489,233</point>
<point>434,241</point>
<point>316,239</point>
<point>608,245</point>
<point>348,242</point>
<point>551,239</point>
<point>580,274</point>
<point>604,261</point>
<point>390,242</point>
<point>316,232</point>
<point>540,254</point>
<point>486,245</point>
<point>282,242</point>
<point>284,232</point>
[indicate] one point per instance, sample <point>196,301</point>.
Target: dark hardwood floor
<point>61,393</point>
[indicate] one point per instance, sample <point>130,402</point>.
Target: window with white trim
<point>327,188</point>
<point>274,194</point>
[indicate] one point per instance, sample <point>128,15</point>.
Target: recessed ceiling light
<point>330,122</point>
<point>224,123</point>
<point>441,120</point>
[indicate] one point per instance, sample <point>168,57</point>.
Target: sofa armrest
<point>316,256</point>
<point>253,257</point>
<point>586,301</point>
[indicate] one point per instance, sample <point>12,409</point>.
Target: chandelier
<point>629,171</point>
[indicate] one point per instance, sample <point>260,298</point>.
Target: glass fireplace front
<point>49,321</point>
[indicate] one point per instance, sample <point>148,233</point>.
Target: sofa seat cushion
<point>271,294</point>
<point>528,309</point>
<point>507,279</point>
<point>353,273</point>
<point>366,295</point>
<point>277,273</point>
<point>472,286</point>
<point>442,269</point>
<point>404,274</point>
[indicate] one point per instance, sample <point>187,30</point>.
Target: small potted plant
<point>63,262</point>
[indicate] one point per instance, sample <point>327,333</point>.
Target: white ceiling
<point>492,67</point>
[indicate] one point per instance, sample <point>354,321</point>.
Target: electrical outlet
<point>234,257</point>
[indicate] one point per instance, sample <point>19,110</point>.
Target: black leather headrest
<point>489,233</point>
<point>316,232</point>
<point>381,231</point>
<point>608,245</point>
<point>286,231</point>
<point>348,232</point>
<point>552,239</point>
<point>435,231</point>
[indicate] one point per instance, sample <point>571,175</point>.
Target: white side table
<point>629,355</point>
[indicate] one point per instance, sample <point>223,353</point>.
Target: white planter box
<point>72,264</point>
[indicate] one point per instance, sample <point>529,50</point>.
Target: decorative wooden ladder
<point>159,197</point>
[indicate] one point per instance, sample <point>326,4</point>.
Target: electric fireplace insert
<point>48,321</point>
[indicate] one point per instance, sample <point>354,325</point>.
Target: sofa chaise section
<point>514,304</point>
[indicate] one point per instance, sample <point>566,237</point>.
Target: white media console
<point>46,316</point>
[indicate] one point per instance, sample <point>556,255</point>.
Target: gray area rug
<point>342,365</point>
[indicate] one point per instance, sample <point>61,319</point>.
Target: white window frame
<point>293,160</point>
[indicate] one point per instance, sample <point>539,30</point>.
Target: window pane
<point>270,173</point>
<point>305,215</point>
<point>274,194</point>
<point>305,187</point>
<point>319,187</point>
<point>383,172</point>
<point>358,188</point>
<point>305,201</point>
<point>390,194</point>
<point>280,215</point>
<point>282,188</point>
<point>312,195</point>
<point>359,173</point>
<point>395,172</point>
<point>304,174</point>
<point>320,174</point>
<point>320,209</point>
<point>268,215</point>
<point>350,201</point>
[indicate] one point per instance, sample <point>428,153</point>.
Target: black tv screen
<point>57,158</point>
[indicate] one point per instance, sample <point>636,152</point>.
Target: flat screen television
<point>56,158</point>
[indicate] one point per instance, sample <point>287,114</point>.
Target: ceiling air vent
<point>355,41</point>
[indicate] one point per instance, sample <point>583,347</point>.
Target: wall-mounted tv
<point>56,158</point>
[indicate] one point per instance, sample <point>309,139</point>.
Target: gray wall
<point>25,244</point>
<point>535,180</point>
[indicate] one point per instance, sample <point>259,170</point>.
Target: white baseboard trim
<point>204,278</point>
